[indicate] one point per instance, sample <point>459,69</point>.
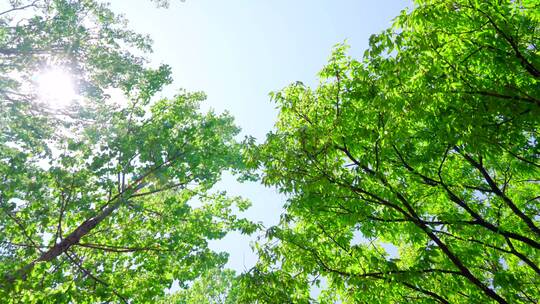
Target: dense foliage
<point>103,201</point>
<point>413,174</point>
<point>216,286</point>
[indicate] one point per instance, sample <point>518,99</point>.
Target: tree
<point>215,286</point>
<point>104,201</point>
<point>429,144</point>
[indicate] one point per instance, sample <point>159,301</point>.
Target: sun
<point>56,87</point>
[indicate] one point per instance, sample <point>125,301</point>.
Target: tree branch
<point>100,281</point>
<point>498,192</point>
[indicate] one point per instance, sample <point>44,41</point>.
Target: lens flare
<point>56,87</point>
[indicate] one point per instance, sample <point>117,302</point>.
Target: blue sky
<point>237,51</point>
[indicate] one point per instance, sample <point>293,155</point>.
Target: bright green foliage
<point>102,202</point>
<point>83,37</point>
<point>216,286</point>
<point>118,207</point>
<point>430,144</point>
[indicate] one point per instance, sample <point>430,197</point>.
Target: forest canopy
<point>102,200</point>
<point>412,174</point>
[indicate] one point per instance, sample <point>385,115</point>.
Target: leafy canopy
<point>216,286</point>
<point>413,173</point>
<point>104,201</point>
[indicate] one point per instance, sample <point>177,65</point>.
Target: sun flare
<point>56,87</point>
